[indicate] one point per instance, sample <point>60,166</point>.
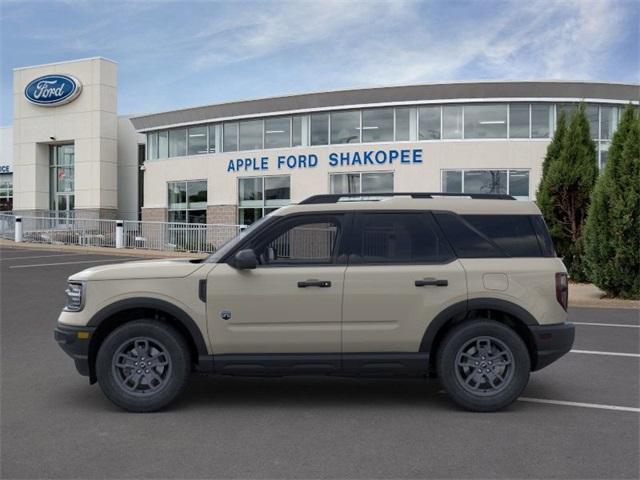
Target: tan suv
<point>465,288</point>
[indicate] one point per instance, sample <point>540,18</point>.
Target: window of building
<point>6,192</point>
<point>592,113</point>
<point>377,125</point>
<point>519,120</point>
<point>212,138</point>
<point>259,196</point>
<point>230,137</point>
<point>510,182</point>
<point>188,201</point>
<point>608,121</point>
<point>296,131</point>
<point>429,123</point>
<point>320,129</point>
<point>312,239</point>
<point>541,120</point>
<point>251,135</point>
<point>163,144</point>
<point>403,124</point>
<point>361,182</point>
<point>345,127</point>
<point>452,121</point>
<point>485,121</point>
<point>394,238</point>
<point>197,140</point>
<point>152,146</point>
<point>604,153</point>
<point>277,132</point>
<point>61,179</point>
<point>178,142</point>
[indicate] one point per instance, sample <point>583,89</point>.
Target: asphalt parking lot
<point>579,418</point>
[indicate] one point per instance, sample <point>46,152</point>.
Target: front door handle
<point>314,283</point>
<point>432,282</point>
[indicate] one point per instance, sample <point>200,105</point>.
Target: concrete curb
<point>125,252</point>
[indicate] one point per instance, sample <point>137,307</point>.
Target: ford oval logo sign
<point>53,90</point>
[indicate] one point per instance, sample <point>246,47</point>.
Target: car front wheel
<point>483,365</point>
<point>143,365</point>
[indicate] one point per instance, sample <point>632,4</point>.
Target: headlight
<point>75,297</point>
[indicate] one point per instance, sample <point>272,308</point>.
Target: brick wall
<point>223,214</point>
<point>154,214</point>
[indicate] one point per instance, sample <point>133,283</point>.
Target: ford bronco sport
<point>465,288</point>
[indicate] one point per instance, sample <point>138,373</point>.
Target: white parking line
<point>40,256</point>
<point>69,263</point>
<point>580,404</point>
<point>615,354</point>
<point>606,324</point>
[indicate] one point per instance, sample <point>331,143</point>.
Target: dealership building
<point>70,152</point>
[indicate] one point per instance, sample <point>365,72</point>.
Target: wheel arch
<point>503,311</point>
<point>111,317</point>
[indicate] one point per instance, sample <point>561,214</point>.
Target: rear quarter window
<point>513,234</point>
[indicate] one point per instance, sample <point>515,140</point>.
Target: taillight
<point>562,289</point>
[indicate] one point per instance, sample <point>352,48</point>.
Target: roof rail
<point>336,197</point>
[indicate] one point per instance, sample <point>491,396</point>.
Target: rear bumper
<point>75,345</point>
<point>552,342</point>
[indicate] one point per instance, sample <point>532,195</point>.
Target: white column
<point>119,234</point>
<point>18,230</point>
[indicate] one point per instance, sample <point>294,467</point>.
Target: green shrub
<point>565,189</point>
<point>612,233</point>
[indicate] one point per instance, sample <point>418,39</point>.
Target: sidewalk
<point>129,252</point>
<point>588,295</point>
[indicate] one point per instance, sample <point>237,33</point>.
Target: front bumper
<point>551,342</point>
<point>75,343</point>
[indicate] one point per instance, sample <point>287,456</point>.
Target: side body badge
<point>225,315</point>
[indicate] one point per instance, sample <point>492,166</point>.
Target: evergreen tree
<point>612,233</point>
<point>565,191</point>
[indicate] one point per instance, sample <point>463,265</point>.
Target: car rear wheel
<point>143,365</point>
<point>483,365</point>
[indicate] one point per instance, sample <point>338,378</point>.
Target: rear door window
<point>395,238</point>
<point>466,240</point>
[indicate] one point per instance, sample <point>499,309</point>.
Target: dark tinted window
<point>544,239</point>
<point>466,241</point>
<point>514,234</point>
<point>399,238</point>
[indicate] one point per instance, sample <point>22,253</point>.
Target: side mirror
<point>245,260</point>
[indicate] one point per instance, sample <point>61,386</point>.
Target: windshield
<point>231,244</point>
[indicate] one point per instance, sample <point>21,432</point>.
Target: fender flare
<point>155,304</point>
<point>461,309</point>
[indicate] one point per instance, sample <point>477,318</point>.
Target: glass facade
<point>510,182</point>
<point>259,196</point>
<point>6,191</point>
<point>61,179</point>
<point>385,124</point>
<point>187,201</point>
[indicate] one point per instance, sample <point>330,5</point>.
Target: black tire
<point>463,353</point>
<point>137,383</point>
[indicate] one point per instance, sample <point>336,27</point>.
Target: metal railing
<point>7,226</point>
<point>163,236</point>
<point>190,237</point>
<point>69,231</point>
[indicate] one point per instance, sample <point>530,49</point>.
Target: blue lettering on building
<point>406,156</point>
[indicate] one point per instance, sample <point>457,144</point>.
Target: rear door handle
<point>314,283</point>
<point>432,282</point>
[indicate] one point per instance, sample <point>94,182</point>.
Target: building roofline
<point>65,61</point>
<point>391,94</point>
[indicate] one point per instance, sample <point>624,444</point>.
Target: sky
<point>176,54</point>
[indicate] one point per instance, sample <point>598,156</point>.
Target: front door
<point>291,303</point>
<point>401,275</point>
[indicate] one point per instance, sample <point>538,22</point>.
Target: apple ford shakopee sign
<point>53,90</point>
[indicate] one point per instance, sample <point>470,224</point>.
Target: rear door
<point>401,274</point>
